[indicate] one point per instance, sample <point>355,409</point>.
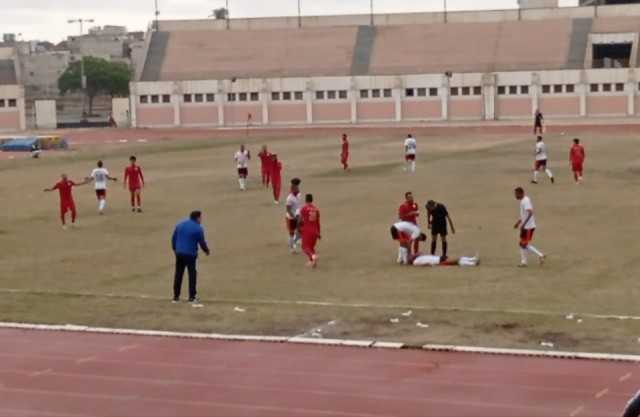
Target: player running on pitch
<point>265,166</point>
<point>242,158</point>
<point>410,151</point>
<point>100,176</point>
<point>64,187</point>
<point>577,155</point>
<point>133,176</point>
<point>309,226</point>
<point>527,225</point>
<point>275,174</point>
<point>408,235</point>
<point>292,215</point>
<point>538,123</point>
<point>541,161</point>
<point>344,156</point>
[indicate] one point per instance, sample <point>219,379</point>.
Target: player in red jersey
<point>64,186</point>
<point>344,156</point>
<point>265,165</point>
<point>310,230</point>
<point>133,174</point>
<point>409,212</point>
<point>276,177</point>
<point>577,155</point>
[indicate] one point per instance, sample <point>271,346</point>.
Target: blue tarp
<point>19,145</point>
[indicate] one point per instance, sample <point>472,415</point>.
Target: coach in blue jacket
<point>187,236</point>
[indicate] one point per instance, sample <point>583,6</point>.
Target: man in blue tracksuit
<point>187,236</point>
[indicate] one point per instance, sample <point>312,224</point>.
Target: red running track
<point>81,374</point>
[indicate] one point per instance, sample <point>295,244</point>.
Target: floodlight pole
<point>83,78</point>
<point>156,22</point>
<point>371,12</point>
<point>228,15</point>
<point>445,11</point>
<point>299,15</point>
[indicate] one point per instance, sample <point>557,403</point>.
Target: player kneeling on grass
<point>408,236</point>
<point>432,260</point>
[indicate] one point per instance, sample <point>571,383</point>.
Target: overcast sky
<point>47,19</point>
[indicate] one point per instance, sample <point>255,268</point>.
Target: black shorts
<point>439,229</point>
<point>243,172</point>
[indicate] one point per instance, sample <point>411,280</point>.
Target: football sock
<point>533,249</point>
<point>549,173</point>
<point>523,256</point>
<point>413,166</point>
<point>102,204</point>
<point>433,246</point>
<point>535,176</point>
<point>445,246</point>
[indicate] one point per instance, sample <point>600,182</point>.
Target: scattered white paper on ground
<point>579,321</point>
<point>570,317</point>
<point>239,310</point>
<point>408,313</point>
<point>197,305</point>
<point>143,140</point>
<point>422,325</point>
<point>332,323</point>
<point>123,141</point>
<point>547,344</point>
<point>394,321</point>
<point>316,335</point>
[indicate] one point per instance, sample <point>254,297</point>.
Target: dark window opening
<point>387,92</point>
<point>454,91</point>
<point>595,88</point>
<point>619,87</point>
<point>524,89</point>
<point>286,95</point>
<point>513,89</point>
<point>546,89</point>
<point>319,95</point>
<point>255,96</point>
<point>613,55</point>
<point>199,98</point>
<point>466,91</point>
<point>375,93</point>
<point>502,90</point>
<point>342,94</point>
<point>364,93</point>
<point>557,88</point>
<point>155,99</point>
<point>166,98</point>
<point>211,97</point>
<point>433,92</point>
<point>13,102</point>
<point>275,96</point>
<point>298,95</point>
<point>569,88</point>
<point>409,92</point>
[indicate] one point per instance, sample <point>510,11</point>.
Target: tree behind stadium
<point>103,77</point>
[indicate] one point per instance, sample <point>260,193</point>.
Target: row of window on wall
<point>11,102</point>
<point>376,93</point>
<point>332,95</point>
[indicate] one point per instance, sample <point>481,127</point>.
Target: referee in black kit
<point>438,217</point>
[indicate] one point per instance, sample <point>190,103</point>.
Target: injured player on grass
<point>432,260</point>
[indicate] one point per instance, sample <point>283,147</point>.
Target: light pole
<point>371,11</point>
<point>445,11</point>
<point>83,78</point>
<point>157,15</point>
<point>299,15</point>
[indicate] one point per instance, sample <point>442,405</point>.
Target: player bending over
<point>410,151</point>
<point>64,187</point>
<point>577,155</point>
<point>527,225</point>
<point>432,260</point>
<point>309,226</point>
<point>133,176</point>
<point>408,235</point>
<point>292,215</point>
<point>541,161</point>
<point>100,176</point>
<point>242,158</point>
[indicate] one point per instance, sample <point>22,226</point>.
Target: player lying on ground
<point>408,236</point>
<point>432,260</point>
<point>64,187</point>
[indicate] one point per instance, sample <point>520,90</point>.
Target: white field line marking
<point>85,360</point>
<point>40,373</point>
<point>625,377</point>
<point>602,393</point>
<point>577,411</point>
<point>358,343</point>
<point>128,347</point>
<point>452,309</point>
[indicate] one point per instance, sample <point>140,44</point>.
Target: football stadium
<point>407,214</point>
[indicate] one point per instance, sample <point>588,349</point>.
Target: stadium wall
<point>12,108</point>
<point>384,99</point>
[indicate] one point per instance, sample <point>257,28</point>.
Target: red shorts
<point>540,164</point>
<point>309,241</point>
<point>577,166</point>
<point>134,188</point>
<point>410,157</point>
<point>101,194</point>
<point>526,236</point>
<point>243,172</point>
<point>66,206</point>
<point>344,157</point>
<point>292,226</point>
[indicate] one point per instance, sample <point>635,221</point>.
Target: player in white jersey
<point>527,225</point>
<point>541,161</point>
<point>410,151</point>
<point>100,176</point>
<point>242,158</point>
<point>432,260</point>
<point>407,234</point>
<point>292,215</point>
